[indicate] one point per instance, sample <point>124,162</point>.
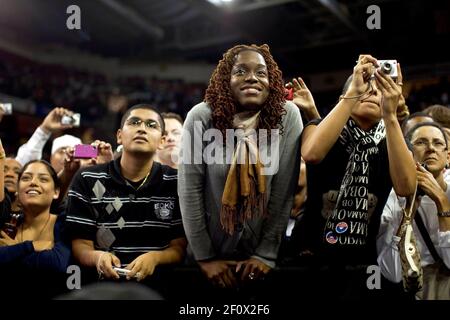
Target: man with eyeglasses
<point>126,213</point>
<point>429,145</point>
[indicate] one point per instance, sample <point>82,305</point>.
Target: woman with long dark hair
<point>37,251</point>
<point>235,195</point>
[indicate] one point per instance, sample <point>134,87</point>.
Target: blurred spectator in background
<point>72,164</point>
<point>441,115</point>
<point>304,100</point>
<point>413,119</point>
<point>301,193</point>
<point>12,171</point>
<point>93,95</point>
<point>168,152</point>
<point>59,148</point>
<point>116,106</point>
<point>436,91</point>
<point>288,250</point>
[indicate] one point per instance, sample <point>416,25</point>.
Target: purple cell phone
<point>85,151</point>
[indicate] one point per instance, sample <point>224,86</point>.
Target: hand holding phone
<point>122,272</point>
<point>85,151</point>
<point>420,192</point>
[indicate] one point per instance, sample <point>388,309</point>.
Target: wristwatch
<point>444,214</point>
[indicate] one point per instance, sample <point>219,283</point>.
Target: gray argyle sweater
<point>201,185</point>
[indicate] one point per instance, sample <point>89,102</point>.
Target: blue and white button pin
<point>330,237</point>
<point>341,227</point>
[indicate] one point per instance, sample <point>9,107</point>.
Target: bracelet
<point>100,271</point>
<point>445,214</point>
<point>359,96</point>
<point>2,155</point>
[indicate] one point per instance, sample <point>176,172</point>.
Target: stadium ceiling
<point>322,31</point>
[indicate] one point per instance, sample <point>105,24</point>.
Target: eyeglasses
<point>149,124</point>
<point>422,144</point>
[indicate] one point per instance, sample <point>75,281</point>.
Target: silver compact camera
<point>388,67</point>
<point>6,107</point>
<point>73,120</point>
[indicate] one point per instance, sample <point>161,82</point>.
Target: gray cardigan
<point>201,185</point>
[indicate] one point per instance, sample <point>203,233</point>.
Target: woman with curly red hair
<point>235,197</point>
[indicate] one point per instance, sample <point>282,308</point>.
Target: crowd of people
<point>100,100</point>
<point>89,92</point>
<point>254,180</point>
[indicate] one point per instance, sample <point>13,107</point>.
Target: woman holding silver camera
<point>37,249</point>
<point>354,156</point>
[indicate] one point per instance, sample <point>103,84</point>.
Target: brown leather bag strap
<point>426,237</point>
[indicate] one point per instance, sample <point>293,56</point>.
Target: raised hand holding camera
<point>360,85</point>
<point>390,90</point>
<point>6,108</point>
<point>55,120</point>
<point>73,120</point>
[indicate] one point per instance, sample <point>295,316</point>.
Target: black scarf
<point>348,223</point>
